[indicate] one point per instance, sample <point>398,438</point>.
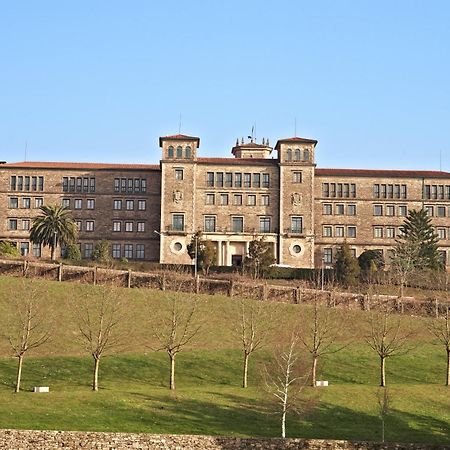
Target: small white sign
<point>41,389</point>
<point>321,383</point>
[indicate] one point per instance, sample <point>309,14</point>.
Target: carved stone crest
<point>177,196</point>
<point>296,199</point>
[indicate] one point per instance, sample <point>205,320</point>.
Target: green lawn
<point>208,400</point>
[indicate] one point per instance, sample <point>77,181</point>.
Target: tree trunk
<point>245,372</point>
<point>382,371</point>
<point>448,368</point>
<point>95,377</point>
<point>53,248</point>
<point>314,371</point>
<point>382,430</point>
<point>19,373</point>
<point>172,372</point>
<point>283,423</point>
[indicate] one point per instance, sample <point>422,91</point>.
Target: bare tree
<point>321,336</point>
<point>286,378</point>
<point>440,328</point>
<point>386,338</point>
<point>98,316</point>
<point>253,330</point>
<point>176,329</point>
<point>30,325</point>
<point>384,405</point>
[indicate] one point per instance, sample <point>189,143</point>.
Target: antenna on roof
<point>26,148</point>
<point>179,124</point>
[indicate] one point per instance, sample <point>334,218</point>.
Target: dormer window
<point>188,152</point>
<point>170,152</point>
<point>289,155</point>
<point>179,152</point>
<point>306,155</point>
<point>297,155</point>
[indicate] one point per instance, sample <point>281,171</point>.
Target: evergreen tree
<point>418,233</point>
<point>346,266</point>
<point>101,253</point>
<point>260,257</point>
<point>204,250</point>
<point>370,262</point>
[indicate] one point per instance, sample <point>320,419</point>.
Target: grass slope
<point>134,395</point>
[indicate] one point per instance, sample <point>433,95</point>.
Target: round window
<point>296,249</point>
<point>177,246</point>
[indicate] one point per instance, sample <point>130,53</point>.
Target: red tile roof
<point>78,165</point>
<point>179,137</point>
<point>382,173</point>
<point>294,140</point>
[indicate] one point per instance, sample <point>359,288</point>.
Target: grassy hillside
<point>134,394</point>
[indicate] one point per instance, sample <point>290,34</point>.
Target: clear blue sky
<point>91,80</point>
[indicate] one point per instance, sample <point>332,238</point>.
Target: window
<point>251,200</point>
<point>90,203</point>
<point>143,185</point>
<point>179,174</point>
<point>289,154</point>
<point>89,225</point>
<point>440,211</point>
<point>72,184</point>
<point>256,180</point>
<point>26,202</point>
<point>325,189</point>
<point>13,202</point>
<point>351,232</point>
<point>327,209</point>
<point>36,249</point>
<point>296,177</point>
<point>20,183</point>
<point>297,154</point>
<point>296,224</point>
<point>12,224</point>
<point>117,226</point>
<point>170,152</point>
<point>247,180</point>
<point>79,184</point>
<point>402,211</point>
<point>265,200</point>
<point>140,248</point>
<point>441,232</point>
<point>339,231</point>
<point>210,199</point>
<point>210,179</point>
<point>38,202</point>
<point>88,249</point>
<point>128,248</point>
<point>327,231</point>
<point>179,152</point>
<point>91,184</point>
<point>27,183</point>
<point>306,155</point>
<point>219,179</point>
<point>123,185</point>
<point>377,232</point>
<point>130,185</point>
<point>128,227</point>
<point>353,190</point>
<point>237,199</point>
<point>116,184</point>
<point>210,224</point>
<point>390,232</point>
<point>328,255</point>
<point>339,209</point>
<point>264,224</point>
<point>404,191</point>
<point>265,180</point>
<point>238,180</point>
<point>78,224</point>
<point>140,227</point>
<point>224,199</point>
<point>85,184</point>
<point>228,179</point>
<point>188,152</point>
<point>429,210</point>
<point>377,210</point>
<point>116,251</point>
<point>25,224</point>
<point>351,210</point>
<point>13,183</point>
<point>376,190</point>
<point>390,210</point>
<point>78,203</point>
<point>33,183</point>
<point>142,205</point>
<point>178,222</point>
<point>65,203</point>
<point>24,248</point>
<point>237,224</point>
<point>129,205</point>
<point>117,204</point>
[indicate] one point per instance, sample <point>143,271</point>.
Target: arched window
<point>188,152</point>
<point>179,152</point>
<point>288,154</point>
<point>297,155</point>
<point>170,152</point>
<point>306,155</point>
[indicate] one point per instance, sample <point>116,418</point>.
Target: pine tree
<point>346,267</point>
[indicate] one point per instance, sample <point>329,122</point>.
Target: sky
<point>101,80</point>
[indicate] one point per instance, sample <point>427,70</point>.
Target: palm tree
<point>54,226</point>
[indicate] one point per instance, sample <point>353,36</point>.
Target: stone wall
<point>50,440</point>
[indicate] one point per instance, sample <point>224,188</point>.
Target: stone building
<point>150,212</point>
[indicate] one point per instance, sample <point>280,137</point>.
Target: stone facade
<point>52,440</point>
<point>151,212</point>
